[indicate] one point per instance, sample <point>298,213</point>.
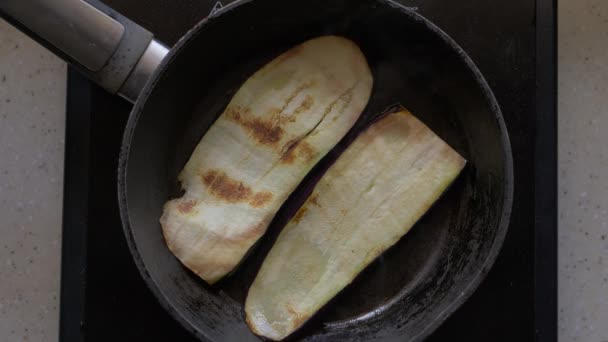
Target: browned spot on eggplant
<point>226,188</point>
<point>291,310</point>
<point>185,207</point>
<point>289,155</point>
<point>344,100</point>
<point>260,199</point>
<point>298,216</point>
<point>314,199</point>
<point>235,113</point>
<point>298,319</point>
<point>305,105</point>
<point>251,325</point>
<point>264,131</point>
<point>306,151</point>
<point>230,190</point>
<point>299,149</point>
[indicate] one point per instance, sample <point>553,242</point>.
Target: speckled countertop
<point>32,114</point>
<point>583,170</point>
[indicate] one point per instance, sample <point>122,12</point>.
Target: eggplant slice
<point>277,126</point>
<point>373,194</point>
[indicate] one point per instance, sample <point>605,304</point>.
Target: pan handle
<point>110,49</point>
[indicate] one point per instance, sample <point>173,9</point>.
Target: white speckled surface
<point>32,115</point>
<point>583,170</point>
<point>32,112</point>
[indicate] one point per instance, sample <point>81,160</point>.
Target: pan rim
<point>508,185</point>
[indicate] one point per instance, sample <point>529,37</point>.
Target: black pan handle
<point>110,49</point>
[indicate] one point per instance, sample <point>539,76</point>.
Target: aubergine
<point>368,199</point>
<point>277,126</point>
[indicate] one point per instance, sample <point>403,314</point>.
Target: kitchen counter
<point>583,170</point>
<point>32,114</point>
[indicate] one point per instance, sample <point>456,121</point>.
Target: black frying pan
<point>410,289</point>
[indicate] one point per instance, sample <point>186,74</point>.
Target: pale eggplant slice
<point>277,126</point>
<point>373,194</point>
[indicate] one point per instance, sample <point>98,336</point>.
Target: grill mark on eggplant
<point>260,199</point>
<point>264,131</point>
<point>298,148</point>
<point>305,105</point>
<point>292,97</point>
<point>295,145</point>
<point>300,213</point>
<point>299,145</point>
<point>223,187</point>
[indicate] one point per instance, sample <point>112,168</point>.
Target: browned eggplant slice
<point>277,126</point>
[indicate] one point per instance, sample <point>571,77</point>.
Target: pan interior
<point>414,284</point>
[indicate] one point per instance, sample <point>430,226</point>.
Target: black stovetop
<point>512,42</point>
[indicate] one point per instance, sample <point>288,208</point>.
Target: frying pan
<point>413,287</point>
